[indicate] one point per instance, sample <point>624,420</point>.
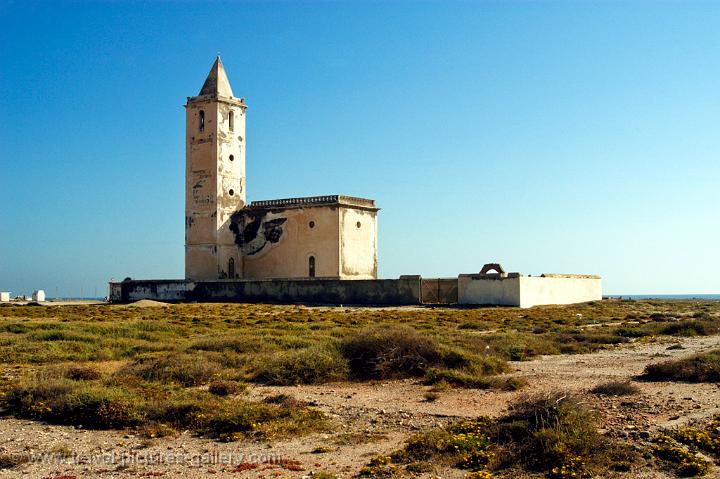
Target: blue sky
<point>548,136</point>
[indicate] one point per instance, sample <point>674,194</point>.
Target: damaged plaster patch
<point>256,231</point>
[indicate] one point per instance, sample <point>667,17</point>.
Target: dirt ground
<point>368,419</point>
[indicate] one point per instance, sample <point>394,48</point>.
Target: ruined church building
<point>329,236</point>
<point>318,249</point>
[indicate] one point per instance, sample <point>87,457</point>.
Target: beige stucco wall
<point>358,244</point>
<point>289,257</point>
<point>528,291</point>
<point>341,248</point>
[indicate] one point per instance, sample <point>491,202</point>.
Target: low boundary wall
<point>403,291</point>
<point>514,289</point>
<point>510,289</point>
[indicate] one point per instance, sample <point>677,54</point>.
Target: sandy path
<point>371,418</point>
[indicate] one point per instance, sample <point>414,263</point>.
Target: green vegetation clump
<point>551,431</point>
<point>183,369</point>
<point>679,447</point>
<point>64,401</point>
<point>314,365</point>
<point>690,327</point>
<point>701,368</point>
<point>667,326</point>
<point>686,463</point>
<point>705,438</point>
<point>551,434</point>
<point>233,420</point>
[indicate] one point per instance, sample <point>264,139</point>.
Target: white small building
<point>514,289</point>
<point>4,297</point>
<point>38,295</point>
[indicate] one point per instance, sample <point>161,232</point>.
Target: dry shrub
<point>8,461</point>
<point>701,368</point>
<point>285,400</point>
<point>616,388</point>
<point>225,388</point>
<point>79,372</point>
<point>477,381</point>
<point>390,352</point>
<point>97,406</point>
<point>431,396</point>
<point>153,429</point>
<point>400,352</point>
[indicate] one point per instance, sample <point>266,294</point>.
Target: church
<point>329,236</point>
<point>317,249</point>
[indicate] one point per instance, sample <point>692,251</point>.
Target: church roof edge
<point>340,200</point>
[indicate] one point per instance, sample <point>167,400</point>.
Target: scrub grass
<point>177,366</point>
<point>111,404</point>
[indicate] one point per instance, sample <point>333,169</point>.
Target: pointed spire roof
<point>217,81</point>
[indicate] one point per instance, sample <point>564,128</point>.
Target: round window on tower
<point>358,224</point>
<point>232,157</point>
<point>311,224</point>
<point>231,192</point>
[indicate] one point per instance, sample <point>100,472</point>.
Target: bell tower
<point>214,178</point>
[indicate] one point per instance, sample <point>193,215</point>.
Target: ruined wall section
<point>405,290</point>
